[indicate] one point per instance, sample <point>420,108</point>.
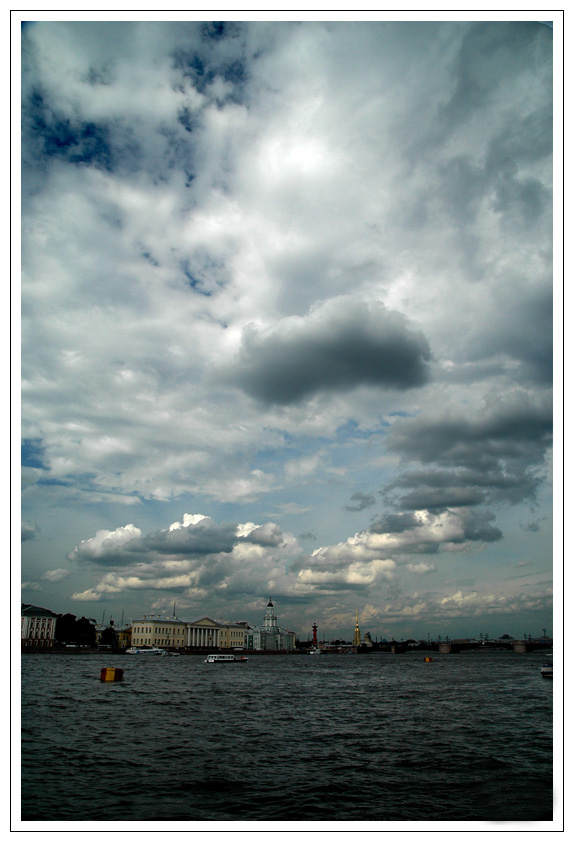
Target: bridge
<point>446,647</point>
<point>518,646</point>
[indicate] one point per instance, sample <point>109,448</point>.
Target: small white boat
<point>135,650</point>
<point>546,669</point>
<point>315,651</point>
<point>225,659</point>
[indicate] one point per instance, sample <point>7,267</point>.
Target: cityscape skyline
<point>309,635</point>
<point>287,322</point>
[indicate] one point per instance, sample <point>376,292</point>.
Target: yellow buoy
<point>428,660</point>
<point>111,674</point>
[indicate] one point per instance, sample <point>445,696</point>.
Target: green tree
<point>85,632</point>
<point>109,638</point>
<point>66,628</point>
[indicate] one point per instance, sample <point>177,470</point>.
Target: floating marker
<point>428,660</point>
<point>111,674</point>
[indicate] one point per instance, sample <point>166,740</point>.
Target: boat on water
<point>546,669</point>
<point>153,650</point>
<point>225,659</point>
<point>315,651</point>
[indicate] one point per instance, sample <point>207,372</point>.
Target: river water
<point>333,738</point>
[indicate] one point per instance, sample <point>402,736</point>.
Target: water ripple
<point>373,738</point>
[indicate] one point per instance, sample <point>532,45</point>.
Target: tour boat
<point>546,669</point>
<point>315,651</point>
<point>135,650</point>
<point>225,659</point>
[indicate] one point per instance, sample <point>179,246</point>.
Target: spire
<point>270,619</point>
<point>357,637</point>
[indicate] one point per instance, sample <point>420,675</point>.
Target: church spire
<point>357,637</point>
<point>270,619</point>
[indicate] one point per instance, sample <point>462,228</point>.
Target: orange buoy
<point>428,660</point>
<point>111,674</point>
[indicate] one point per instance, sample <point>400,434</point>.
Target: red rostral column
<point>314,634</point>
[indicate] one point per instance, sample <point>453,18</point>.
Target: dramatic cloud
<point>424,532</point>
<point>497,455</point>
<point>339,346</point>
<point>296,276</point>
<point>196,537</point>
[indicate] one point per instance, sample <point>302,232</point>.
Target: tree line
<point>82,632</point>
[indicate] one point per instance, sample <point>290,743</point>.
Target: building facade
<point>124,636</point>
<point>269,636</point>
<point>173,633</point>
<point>157,631</point>
<point>204,634</point>
<point>38,627</point>
<point>233,635</point>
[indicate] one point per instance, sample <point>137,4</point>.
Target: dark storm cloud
<point>487,459</point>
<point>446,489</point>
<point>362,501</point>
<point>520,329</point>
<point>333,349</point>
<point>394,523</point>
<point>516,429</point>
<point>202,538</point>
<point>431,498</point>
<point>478,526</point>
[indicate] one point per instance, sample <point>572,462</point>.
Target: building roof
<point>205,621</point>
<point>152,618</point>
<point>34,611</point>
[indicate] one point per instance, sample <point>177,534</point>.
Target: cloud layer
<point>296,275</point>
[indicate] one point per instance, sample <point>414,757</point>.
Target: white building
<point>269,637</point>
<point>38,628</point>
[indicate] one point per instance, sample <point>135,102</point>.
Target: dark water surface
<point>376,737</point>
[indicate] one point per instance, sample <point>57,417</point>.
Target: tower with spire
<point>357,637</point>
<point>269,636</point>
<point>270,619</point>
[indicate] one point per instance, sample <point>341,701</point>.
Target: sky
<point>287,323</point>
